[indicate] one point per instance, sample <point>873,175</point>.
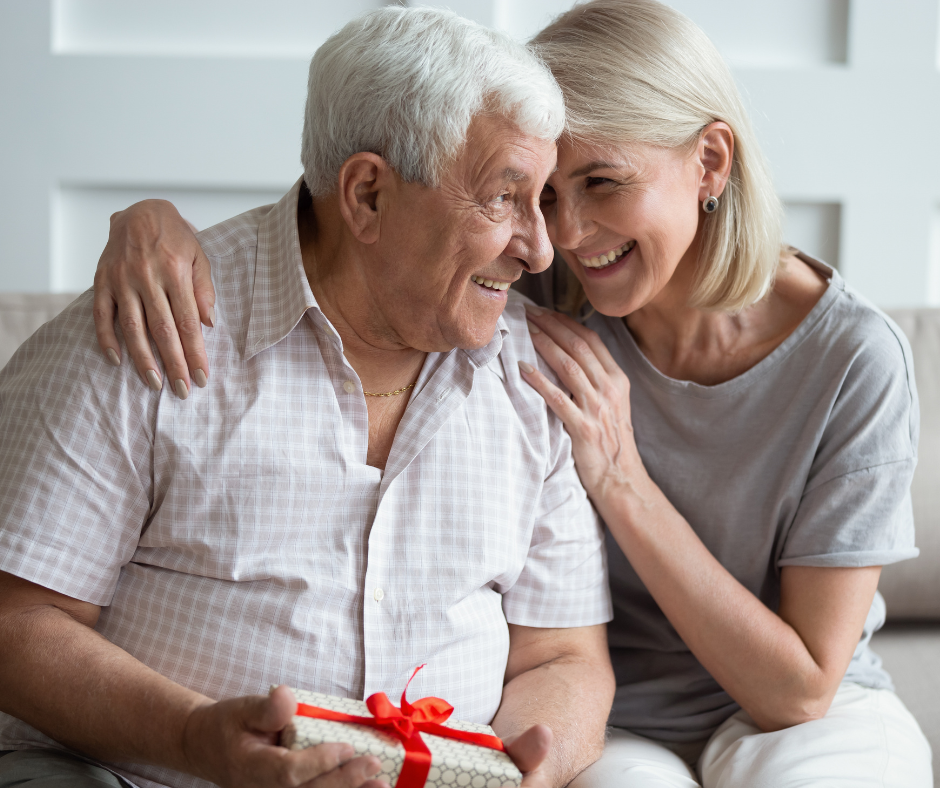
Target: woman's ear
<point>715,154</point>
<point>362,179</point>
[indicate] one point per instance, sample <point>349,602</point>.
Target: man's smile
<point>492,284</point>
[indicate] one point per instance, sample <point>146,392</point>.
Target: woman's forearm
<point>759,657</point>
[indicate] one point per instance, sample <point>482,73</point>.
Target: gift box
<point>416,748</point>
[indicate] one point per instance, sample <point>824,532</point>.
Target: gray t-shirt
<point>806,459</point>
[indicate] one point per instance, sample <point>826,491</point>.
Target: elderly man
<point>368,486</point>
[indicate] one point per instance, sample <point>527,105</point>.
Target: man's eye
<point>598,181</point>
<point>501,198</point>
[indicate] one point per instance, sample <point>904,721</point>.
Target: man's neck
<point>383,362</point>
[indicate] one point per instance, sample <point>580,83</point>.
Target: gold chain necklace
<point>390,393</point>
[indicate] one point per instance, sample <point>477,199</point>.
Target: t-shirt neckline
<point>776,356</point>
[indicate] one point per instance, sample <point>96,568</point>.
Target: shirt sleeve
<point>75,470</point>
<point>856,506</point>
<point>564,580</point>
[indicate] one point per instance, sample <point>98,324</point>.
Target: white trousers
<point>868,738</point>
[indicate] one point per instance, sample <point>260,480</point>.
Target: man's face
<point>440,247</point>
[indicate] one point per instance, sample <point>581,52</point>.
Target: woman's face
<point>625,219</point>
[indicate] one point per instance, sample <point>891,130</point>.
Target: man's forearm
<point>572,694</point>
<point>67,681</point>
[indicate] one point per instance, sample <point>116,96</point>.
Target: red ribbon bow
<point>407,724</point>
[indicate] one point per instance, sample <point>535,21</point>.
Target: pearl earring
<point>710,205</point>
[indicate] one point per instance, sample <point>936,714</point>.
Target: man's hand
<point>529,752</point>
<point>235,743</point>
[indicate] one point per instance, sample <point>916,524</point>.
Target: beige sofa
<point>910,643</point>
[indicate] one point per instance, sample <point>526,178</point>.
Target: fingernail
<point>534,310</point>
<point>113,357</point>
<point>182,390</point>
<point>533,329</point>
<point>154,380</point>
<point>200,377</point>
<point>526,367</point>
<point>212,317</point>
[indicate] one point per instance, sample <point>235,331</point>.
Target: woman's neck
<point>687,343</point>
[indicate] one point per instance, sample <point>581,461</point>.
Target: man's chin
<point>467,337</point>
<point>452,331</point>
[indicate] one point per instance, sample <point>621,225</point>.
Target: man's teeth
<point>490,283</point>
<point>603,260</point>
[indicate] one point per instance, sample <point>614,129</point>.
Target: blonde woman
<point>745,423</point>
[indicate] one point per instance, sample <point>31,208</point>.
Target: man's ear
<point>362,179</point>
<point>715,153</point>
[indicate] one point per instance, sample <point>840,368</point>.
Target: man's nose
<point>531,240</point>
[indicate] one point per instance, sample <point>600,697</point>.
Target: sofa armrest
<point>912,588</point>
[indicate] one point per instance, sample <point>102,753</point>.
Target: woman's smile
<point>605,259</point>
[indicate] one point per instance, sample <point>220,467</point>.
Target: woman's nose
<point>569,225</point>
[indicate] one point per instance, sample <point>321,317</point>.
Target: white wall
<point>200,101</point>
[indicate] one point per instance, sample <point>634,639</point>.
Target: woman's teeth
<point>603,260</point>
<point>490,283</point>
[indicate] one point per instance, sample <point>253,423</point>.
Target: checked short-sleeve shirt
<point>238,539</point>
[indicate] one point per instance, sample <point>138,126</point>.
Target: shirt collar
<point>282,293</point>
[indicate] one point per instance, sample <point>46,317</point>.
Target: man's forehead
<point>514,158</point>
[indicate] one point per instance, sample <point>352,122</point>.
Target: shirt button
<point>378,595</point>
<point>349,387</point>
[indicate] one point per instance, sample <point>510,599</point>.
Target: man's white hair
<point>405,83</point>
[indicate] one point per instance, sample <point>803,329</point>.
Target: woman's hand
<point>597,416</point>
<point>153,274</point>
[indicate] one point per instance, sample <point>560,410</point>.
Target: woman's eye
<point>547,196</point>
<point>598,181</point>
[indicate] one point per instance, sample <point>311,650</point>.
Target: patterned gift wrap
<point>454,764</point>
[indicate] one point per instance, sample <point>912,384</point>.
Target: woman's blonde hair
<point>639,71</point>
